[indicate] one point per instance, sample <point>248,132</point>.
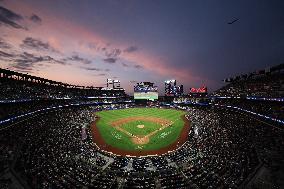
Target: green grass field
<point>148,127</point>
<point>119,139</point>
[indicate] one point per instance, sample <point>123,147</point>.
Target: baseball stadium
<point>141,94</point>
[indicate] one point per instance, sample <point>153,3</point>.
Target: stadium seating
<point>258,84</point>
<point>47,151</point>
<point>224,149</point>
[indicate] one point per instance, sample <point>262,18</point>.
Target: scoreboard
<point>145,91</point>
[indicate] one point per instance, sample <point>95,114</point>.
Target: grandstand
<point>260,92</point>
<point>15,86</point>
<point>46,141</point>
<point>267,82</point>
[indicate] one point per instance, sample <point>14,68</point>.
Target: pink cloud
<point>67,37</point>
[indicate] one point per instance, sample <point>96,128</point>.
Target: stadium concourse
<point>46,141</point>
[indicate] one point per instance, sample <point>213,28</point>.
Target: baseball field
<point>139,130</point>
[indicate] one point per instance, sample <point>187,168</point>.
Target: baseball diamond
<point>140,131</point>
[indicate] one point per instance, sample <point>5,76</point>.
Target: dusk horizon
<point>195,43</point>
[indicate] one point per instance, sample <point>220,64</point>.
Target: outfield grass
<point>120,140</point>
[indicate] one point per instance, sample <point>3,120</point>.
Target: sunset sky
<point>86,42</point>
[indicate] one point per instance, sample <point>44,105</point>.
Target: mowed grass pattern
<point>120,140</point>
<point>133,129</point>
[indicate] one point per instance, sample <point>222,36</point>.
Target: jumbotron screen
<point>145,91</point>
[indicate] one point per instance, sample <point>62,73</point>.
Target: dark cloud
<point>101,74</point>
<point>77,58</point>
<point>110,60</point>
<point>125,65</point>
<point>138,66</point>
<point>4,44</point>
<point>131,66</point>
<point>130,49</point>
<point>9,18</point>
<point>96,70</point>
<point>113,53</point>
<point>36,19</point>
<point>100,48</point>
<point>91,69</point>
<point>4,55</point>
<point>26,61</point>
<point>9,14</point>
<point>37,44</point>
<point>93,46</point>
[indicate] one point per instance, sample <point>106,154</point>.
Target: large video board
<point>146,91</point>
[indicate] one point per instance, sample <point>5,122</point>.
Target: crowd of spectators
<point>11,89</point>
<point>18,97</point>
<point>273,109</point>
<point>262,84</point>
<point>260,92</point>
<point>14,109</point>
<point>8,110</point>
<point>223,149</point>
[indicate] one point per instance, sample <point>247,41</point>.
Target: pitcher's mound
<point>140,126</point>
